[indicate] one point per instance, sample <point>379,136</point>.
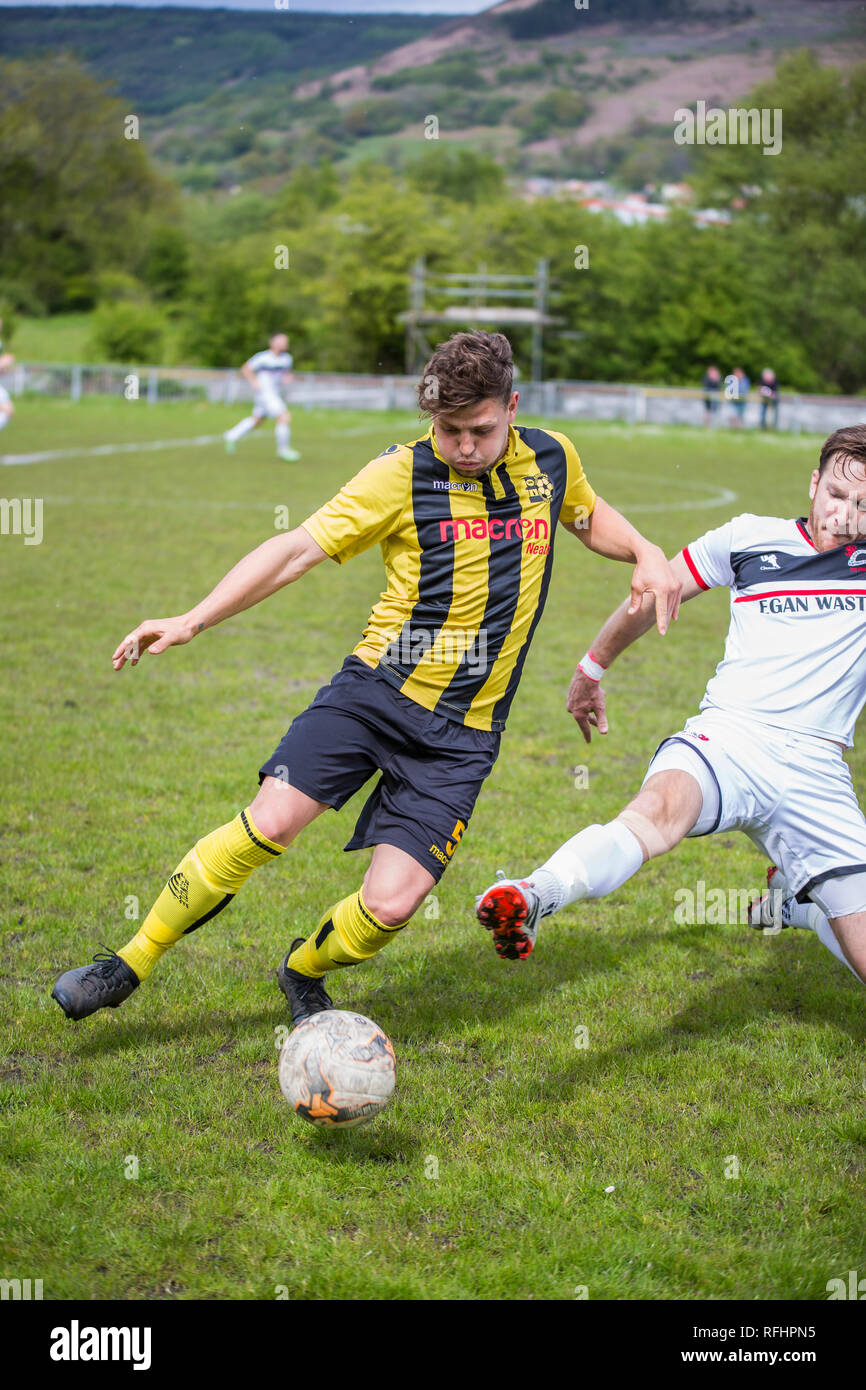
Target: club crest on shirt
<point>539,487</point>
<point>769,562</point>
<point>856,557</point>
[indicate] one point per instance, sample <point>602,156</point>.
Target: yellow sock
<point>201,886</point>
<point>347,934</point>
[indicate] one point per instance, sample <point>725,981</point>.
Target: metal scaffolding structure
<point>485,301</point>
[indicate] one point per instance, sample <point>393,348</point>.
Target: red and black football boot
<point>510,910</point>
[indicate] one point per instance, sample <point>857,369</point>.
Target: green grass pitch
<point>486,1177</point>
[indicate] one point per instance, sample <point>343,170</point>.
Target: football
<point>337,1069</point>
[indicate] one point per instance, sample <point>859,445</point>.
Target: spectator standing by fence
<point>769,394</point>
<point>737,387</point>
<point>712,385</point>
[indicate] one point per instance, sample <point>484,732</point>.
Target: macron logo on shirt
<point>494,528</point>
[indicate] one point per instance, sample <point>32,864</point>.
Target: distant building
<point>632,209</point>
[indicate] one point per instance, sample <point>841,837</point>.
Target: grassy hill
<point>229,98</point>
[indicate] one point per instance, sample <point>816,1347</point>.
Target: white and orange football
<point>337,1069</point>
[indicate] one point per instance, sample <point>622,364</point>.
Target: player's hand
<point>586,702</point>
<point>653,575</point>
<point>153,635</point>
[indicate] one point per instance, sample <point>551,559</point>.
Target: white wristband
<point>590,667</point>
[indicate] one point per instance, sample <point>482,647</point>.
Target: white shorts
<point>268,403</point>
<point>4,396</point>
<point>792,795</point>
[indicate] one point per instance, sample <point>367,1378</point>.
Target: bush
<point>15,296</point>
<point>128,332</point>
<point>8,319</point>
<point>522,72</point>
<point>114,286</point>
<point>556,111</point>
<point>455,70</point>
<point>373,116</point>
<point>165,266</point>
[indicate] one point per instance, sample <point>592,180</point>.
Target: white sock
<point>239,430</point>
<point>283,436</point>
<point>826,934</point>
<point>796,914</point>
<point>4,419</point>
<point>592,863</point>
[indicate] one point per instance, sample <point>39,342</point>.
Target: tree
<point>74,188</point>
<point>806,207</point>
<point>165,264</point>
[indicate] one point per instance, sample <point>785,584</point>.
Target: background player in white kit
<point>765,753</point>
<point>267,372</point>
<point>7,409</point>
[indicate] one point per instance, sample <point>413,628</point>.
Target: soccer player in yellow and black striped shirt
<point>465,517</point>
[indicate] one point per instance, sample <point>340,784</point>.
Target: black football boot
<point>102,985</point>
<point>306,995</point>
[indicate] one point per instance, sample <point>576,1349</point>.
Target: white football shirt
<point>269,367</point>
<point>795,654</point>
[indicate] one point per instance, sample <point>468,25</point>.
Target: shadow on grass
<point>435,995</point>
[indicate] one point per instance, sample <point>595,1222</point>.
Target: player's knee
<point>668,805</point>
<point>271,810</point>
<point>656,838</point>
<point>658,821</point>
<point>390,905</point>
<point>268,823</point>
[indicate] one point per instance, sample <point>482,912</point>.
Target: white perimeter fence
<point>577,400</point>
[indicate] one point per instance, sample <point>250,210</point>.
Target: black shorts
<point>432,767</point>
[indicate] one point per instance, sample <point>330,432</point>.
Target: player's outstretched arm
<point>272,565</point>
<point>625,625</point>
<point>608,533</point>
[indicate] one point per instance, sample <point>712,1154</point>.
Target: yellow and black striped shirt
<point>468,563</point>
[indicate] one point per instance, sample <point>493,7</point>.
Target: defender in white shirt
<point>765,753</point>
<point>266,372</point>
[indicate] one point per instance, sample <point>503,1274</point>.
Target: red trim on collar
<point>805,534</point>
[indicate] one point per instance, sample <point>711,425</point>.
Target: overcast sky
<point>322,6</point>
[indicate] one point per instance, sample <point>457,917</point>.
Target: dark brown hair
<point>849,443</point>
<point>467,369</point>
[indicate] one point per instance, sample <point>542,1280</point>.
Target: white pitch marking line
<point>723,498</point>
<point>147,446</point>
<point>719,499</point>
<point>172,502</point>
